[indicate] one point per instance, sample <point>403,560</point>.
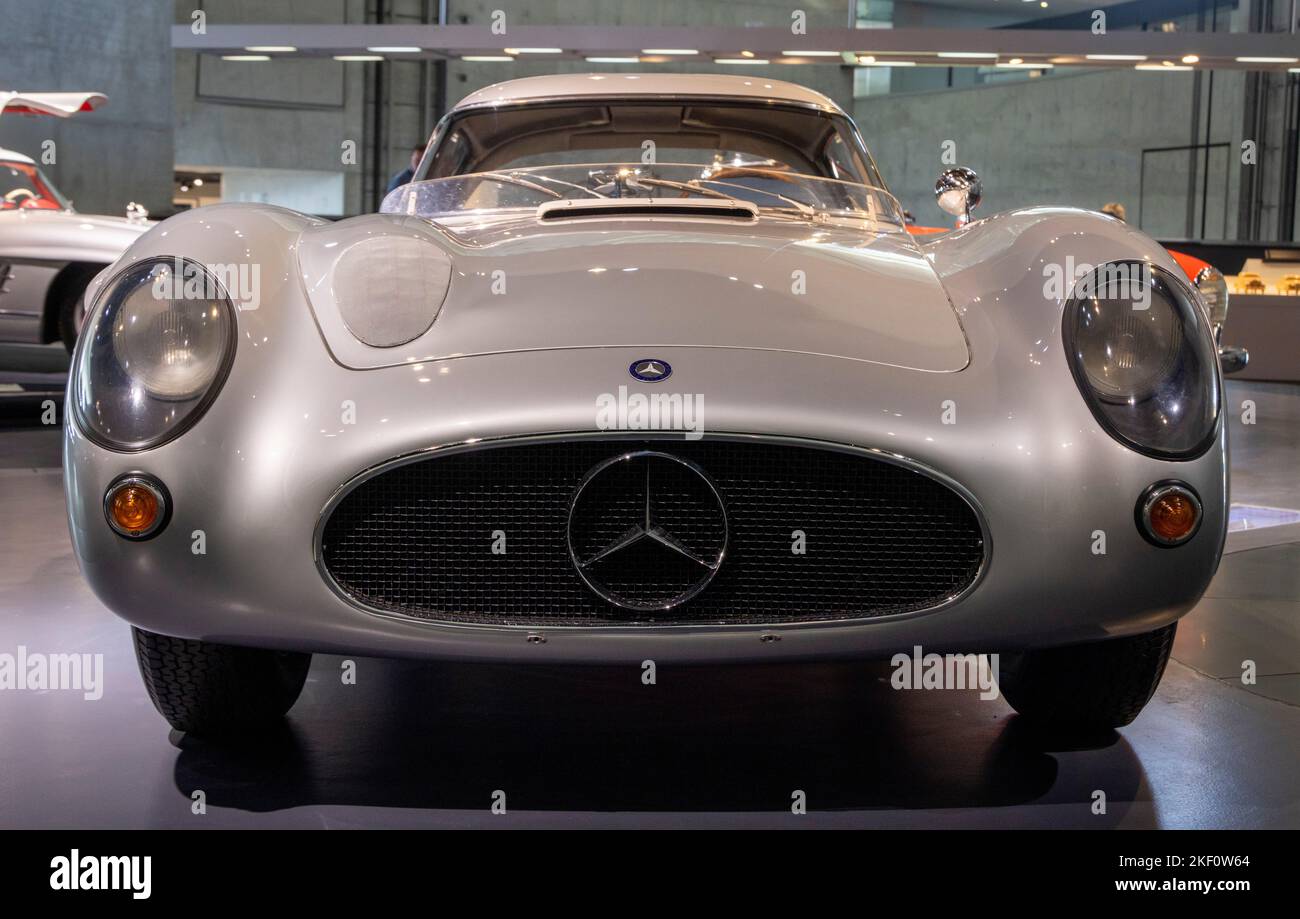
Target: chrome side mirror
<point>1233,360</point>
<point>958,192</point>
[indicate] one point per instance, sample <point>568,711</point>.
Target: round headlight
<point>153,354</point>
<point>1144,359</point>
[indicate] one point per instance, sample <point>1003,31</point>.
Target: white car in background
<point>49,252</point>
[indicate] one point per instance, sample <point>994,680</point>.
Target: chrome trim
<point>1179,282</point>
<point>875,453</point>
<point>149,484</point>
<point>963,180</point>
<point>604,592</point>
<point>1233,359</point>
<point>203,404</point>
<point>1210,273</point>
<point>1153,494</point>
<point>1218,317</point>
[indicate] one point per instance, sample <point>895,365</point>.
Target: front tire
<point>1096,686</point>
<point>70,303</point>
<point>210,689</point>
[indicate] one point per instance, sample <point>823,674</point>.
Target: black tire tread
<point>1103,684</point>
<point>205,688</point>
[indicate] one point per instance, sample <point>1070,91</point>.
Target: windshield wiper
<point>802,208</point>
<point>806,209</point>
<point>685,186</point>
<point>581,188</point>
<point>524,183</point>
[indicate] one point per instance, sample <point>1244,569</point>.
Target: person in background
<point>408,173</point>
<point>1116,210</point>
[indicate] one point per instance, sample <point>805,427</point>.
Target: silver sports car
<point>48,251</point>
<point>645,368</point>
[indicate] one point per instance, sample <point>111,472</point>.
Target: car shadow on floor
<point>718,739</point>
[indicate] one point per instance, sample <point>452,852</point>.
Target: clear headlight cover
<point>1142,357</point>
<point>153,354</point>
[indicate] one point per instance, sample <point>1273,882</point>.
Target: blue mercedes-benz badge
<point>650,370</point>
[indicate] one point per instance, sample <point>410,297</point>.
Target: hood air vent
<point>709,209</point>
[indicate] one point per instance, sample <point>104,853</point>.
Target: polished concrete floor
<point>417,745</point>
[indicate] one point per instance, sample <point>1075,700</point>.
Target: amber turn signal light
<point>1169,514</point>
<point>136,507</point>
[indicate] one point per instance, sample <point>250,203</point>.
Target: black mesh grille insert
<point>418,539</point>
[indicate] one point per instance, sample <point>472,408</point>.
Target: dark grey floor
<point>418,745</point>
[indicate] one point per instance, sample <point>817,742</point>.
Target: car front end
<point>616,412</point>
<point>305,509</point>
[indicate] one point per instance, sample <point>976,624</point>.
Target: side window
<point>450,155</point>
<point>839,159</point>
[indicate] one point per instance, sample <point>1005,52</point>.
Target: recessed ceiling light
<point>979,54</point>
<point>244,57</point>
<point>357,58</point>
<point>1268,60</point>
<point>668,51</point>
<point>198,182</point>
<point>613,60</point>
<point>534,50</point>
<point>396,49</point>
<point>747,54</point>
<point>271,48</point>
<point>1116,57</point>
<point>1162,68</point>
<point>740,60</point>
<point>811,53</point>
<point>1190,58</point>
<point>485,58</point>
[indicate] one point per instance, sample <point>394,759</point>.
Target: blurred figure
<point>1116,210</point>
<point>408,173</point>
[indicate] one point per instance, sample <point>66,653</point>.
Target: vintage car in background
<point>959,191</point>
<point>48,251</point>
<point>563,402</point>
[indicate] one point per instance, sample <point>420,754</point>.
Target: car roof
<point>579,85</point>
<point>14,155</point>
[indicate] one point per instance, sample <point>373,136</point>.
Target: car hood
<point>67,235</point>
<point>773,284</point>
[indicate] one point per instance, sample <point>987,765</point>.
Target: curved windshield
<point>646,129</point>
<point>772,188</point>
<point>22,186</point>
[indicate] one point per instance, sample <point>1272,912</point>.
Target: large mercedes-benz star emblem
<point>647,530</point>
